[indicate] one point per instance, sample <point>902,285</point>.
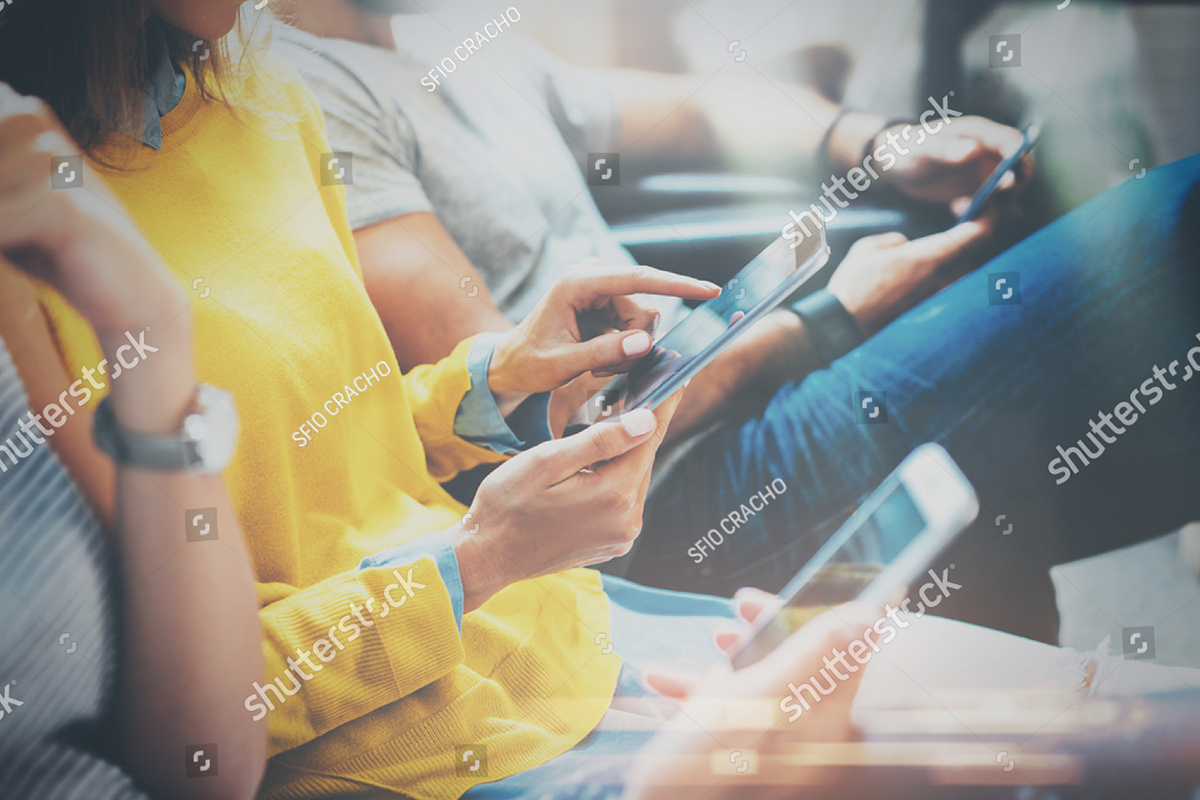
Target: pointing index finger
<point>606,281</point>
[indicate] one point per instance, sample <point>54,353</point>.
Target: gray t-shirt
<point>495,152</point>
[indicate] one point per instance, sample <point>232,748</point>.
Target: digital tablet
<point>889,541</point>
<point>698,338</point>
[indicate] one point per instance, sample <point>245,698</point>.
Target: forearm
<point>428,295</point>
<point>191,633</point>
<point>777,350</point>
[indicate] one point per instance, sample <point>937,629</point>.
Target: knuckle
<point>573,273</point>
<point>633,529</point>
<point>534,458</point>
<point>614,498</point>
<point>597,452</point>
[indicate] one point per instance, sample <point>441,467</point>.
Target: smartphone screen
<point>844,567</point>
<point>766,281</point>
<point>1032,131</point>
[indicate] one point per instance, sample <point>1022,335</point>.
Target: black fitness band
<point>830,328</point>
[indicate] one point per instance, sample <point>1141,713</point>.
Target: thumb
<point>598,443</point>
<point>948,244</point>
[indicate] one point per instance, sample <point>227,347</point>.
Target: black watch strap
<point>823,146</point>
<point>869,150</point>
<point>830,328</point>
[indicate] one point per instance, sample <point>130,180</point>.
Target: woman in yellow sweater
<point>375,667</point>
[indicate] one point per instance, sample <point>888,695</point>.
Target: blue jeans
<point>1107,295</point>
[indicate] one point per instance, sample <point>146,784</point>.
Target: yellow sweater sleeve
<point>434,393</point>
<point>351,643</point>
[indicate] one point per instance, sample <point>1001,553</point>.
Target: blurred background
<point>1117,86</point>
<point>1114,82</point>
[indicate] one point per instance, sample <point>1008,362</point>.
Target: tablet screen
<point>766,281</point>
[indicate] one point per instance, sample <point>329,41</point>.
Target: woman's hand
<point>78,240</point>
<point>954,162</point>
<point>567,503</point>
<point>189,615</point>
<point>734,718</point>
<point>883,276</point>
<point>81,243</point>
<point>587,322</point>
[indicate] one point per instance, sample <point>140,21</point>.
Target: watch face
<point>214,429</point>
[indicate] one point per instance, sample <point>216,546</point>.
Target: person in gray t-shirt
<point>467,193</point>
<point>499,171</point>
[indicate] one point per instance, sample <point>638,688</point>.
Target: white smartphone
<point>894,536</point>
<point>769,279</point>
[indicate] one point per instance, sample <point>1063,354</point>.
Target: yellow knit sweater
<point>236,207</point>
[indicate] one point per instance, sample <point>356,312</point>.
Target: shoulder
<point>339,73</point>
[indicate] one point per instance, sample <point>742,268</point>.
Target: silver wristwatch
<point>204,443</point>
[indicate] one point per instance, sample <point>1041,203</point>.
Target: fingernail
<point>710,285</point>
<point>637,344</point>
<point>638,423</point>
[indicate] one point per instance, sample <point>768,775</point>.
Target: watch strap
<point>870,148</point>
<point>831,329</point>
<point>823,146</point>
<point>171,452</point>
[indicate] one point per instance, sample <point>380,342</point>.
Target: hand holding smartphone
<point>892,538</point>
<point>979,201</point>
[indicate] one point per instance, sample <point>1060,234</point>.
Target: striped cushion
<point>57,632</point>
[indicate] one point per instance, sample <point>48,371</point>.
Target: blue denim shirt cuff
<point>436,546</point>
<point>478,419</point>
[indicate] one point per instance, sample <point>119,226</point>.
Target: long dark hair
<point>87,60</point>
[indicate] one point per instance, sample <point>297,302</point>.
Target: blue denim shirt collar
<point>164,87</point>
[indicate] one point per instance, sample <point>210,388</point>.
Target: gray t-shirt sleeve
<point>365,122</point>
<point>581,100</point>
